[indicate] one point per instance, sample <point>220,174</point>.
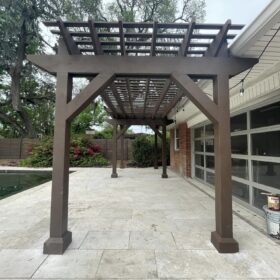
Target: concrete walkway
<point>138,226</point>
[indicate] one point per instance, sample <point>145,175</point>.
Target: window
<point>240,168</point>
<point>239,145</point>
<point>266,116</point>
<point>238,123</point>
<point>261,147</point>
<point>177,139</point>
<point>210,178</point>
<point>240,191</point>
<point>199,160</point>
<point>199,132</point>
<point>199,173</point>
<point>199,146</point>
<point>266,173</point>
<point>209,145</point>
<point>209,130</point>
<point>210,162</point>
<point>255,148</point>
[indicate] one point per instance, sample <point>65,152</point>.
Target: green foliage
<point>143,150</point>
<point>150,10</point>
<point>106,133</point>
<point>83,153</point>
<point>93,115</point>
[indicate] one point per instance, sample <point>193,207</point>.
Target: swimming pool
<point>14,181</point>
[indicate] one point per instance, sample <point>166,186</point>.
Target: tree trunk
<point>15,73</point>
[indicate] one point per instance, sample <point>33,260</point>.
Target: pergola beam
<point>197,96</point>
<point>154,39</point>
<point>186,41</point>
<point>122,40</point>
<point>172,104</point>
<point>161,98</point>
<point>147,122</point>
<point>117,97</point>
<point>216,46</point>
<point>124,128</point>
<point>68,39</point>
<point>156,131</point>
<point>94,38</point>
<point>89,93</point>
<point>127,66</point>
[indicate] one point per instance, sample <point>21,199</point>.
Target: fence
<point>19,148</point>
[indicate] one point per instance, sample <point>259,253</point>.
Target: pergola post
<point>122,148</point>
<point>164,167</point>
<point>60,237</point>
<point>114,151</point>
<point>156,152</point>
<point>222,238</point>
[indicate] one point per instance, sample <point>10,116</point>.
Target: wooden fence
<point>16,148</point>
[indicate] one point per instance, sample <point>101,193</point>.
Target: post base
<point>164,176</point>
<point>57,245</point>
<point>224,245</point>
<point>114,175</point>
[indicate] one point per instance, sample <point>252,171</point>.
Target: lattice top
<point>142,39</point>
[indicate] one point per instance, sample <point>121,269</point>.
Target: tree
<point>160,10</point>
<point>26,95</point>
<point>93,115</point>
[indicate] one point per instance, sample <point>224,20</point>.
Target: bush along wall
<point>143,151</point>
<point>83,153</point>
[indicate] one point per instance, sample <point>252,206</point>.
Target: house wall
<point>180,160</point>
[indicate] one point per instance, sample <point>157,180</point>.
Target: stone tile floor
<point>137,226</point>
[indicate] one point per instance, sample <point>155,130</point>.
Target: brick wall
<point>180,160</point>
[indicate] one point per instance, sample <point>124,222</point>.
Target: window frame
<point>176,139</point>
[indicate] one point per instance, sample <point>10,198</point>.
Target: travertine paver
<point>73,264</point>
<point>137,226</point>
<point>127,264</point>
<point>106,240</point>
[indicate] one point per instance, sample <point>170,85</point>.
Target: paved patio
<point>138,226</point>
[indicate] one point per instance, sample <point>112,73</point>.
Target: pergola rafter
<point>141,77</point>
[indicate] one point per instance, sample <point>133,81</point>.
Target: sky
<point>239,11</point>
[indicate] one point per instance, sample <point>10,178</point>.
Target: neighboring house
<point>255,121</point>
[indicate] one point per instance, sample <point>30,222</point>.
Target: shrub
<point>83,153</point>
<point>143,151</point>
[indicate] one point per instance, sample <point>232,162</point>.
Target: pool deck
<point>137,226</point>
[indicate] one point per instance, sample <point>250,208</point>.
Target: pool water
<point>12,181</point>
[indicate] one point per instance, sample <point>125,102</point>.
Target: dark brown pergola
<point>142,70</point>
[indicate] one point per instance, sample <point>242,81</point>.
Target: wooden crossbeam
<point>197,96</point>
<point>154,39</point>
<point>109,104</point>
<point>163,93</point>
<point>94,38</point>
<point>148,122</point>
<point>172,104</point>
<point>122,41</point>
<point>186,41</point>
<point>122,131</point>
<point>129,96</point>
<point>89,93</point>
<point>220,39</point>
<point>117,97</point>
<point>69,42</point>
<point>156,131</point>
<point>145,66</point>
<point>146,95</point>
